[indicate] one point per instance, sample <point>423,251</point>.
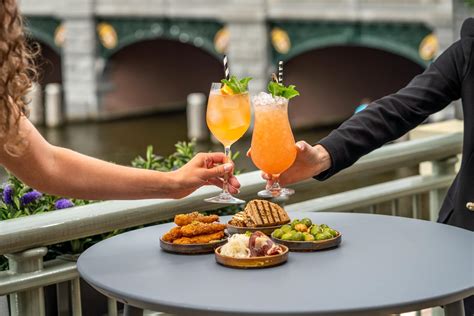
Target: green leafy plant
<point>277,89</point>
<point>184,153</point>
<point>236,85</point>
<point>469,2</point>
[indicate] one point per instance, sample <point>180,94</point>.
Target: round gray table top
<point>385,264</point>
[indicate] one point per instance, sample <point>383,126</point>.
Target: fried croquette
<point>186,219</point>
<point>198,228</point>
<point>202,239</point>
<point>173,234</point>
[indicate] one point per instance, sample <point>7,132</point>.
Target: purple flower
<point>30,197</point>
<point>63,203</point>
<point>8,194</point>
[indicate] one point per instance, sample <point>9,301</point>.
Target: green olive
<point>301,227</point>
<point>294,223</point>
<point>323,226</point>
<point>298,237</point>
<point>307,221</point>
<point>327,235</point>
<point>333,232</point>
<point>287,236</point>
<point>308,237</point>
<point>277,233</point>
<point>320,236</point>
<point>286,228</point>
<point>315,229</point>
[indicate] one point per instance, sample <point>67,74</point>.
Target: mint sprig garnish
<point>279,90</point>
<point>238,86</point>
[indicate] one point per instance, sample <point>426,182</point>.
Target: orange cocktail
<point>273,144</point>
<point>228,116</point>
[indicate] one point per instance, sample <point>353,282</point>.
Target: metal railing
<point>23,239</point>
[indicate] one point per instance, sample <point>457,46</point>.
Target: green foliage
<point>237,86</point>
<point>277,89</point>
<point>184,153</point>
<point>469,2</point>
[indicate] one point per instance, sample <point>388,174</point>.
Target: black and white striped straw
<point>226,68</point>
<point>280,72</point>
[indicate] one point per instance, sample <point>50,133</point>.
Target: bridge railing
<point>23,240</point>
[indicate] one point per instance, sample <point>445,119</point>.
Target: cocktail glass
<point>228,118</point>
<point>273,144</point>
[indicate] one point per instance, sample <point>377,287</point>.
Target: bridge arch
<point>128,31</point>
<point>404,39</point>
<point>332,84</point>
<point>155,75</point>
<point>44,30</point>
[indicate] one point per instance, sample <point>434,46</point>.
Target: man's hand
<point>310,161</point>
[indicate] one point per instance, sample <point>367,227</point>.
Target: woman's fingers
<point>233,181</point>
<point>212,159</point>
<point>220,183</point>
<point>218,171</point>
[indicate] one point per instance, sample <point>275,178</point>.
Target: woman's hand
<point>204,169</point>
<point>310,161</point>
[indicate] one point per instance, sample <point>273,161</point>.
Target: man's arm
<point>394,115</point>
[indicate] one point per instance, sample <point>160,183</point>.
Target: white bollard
<point>53,105</point>
<point>35,97</point>
<point>196,117</point>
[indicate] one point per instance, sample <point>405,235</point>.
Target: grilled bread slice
<point>265,213</point>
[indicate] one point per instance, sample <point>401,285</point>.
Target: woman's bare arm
<point>63,172</point>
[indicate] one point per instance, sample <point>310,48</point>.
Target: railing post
<point>76,297</point>
<point>111,307</point>
<point>436,197</point>
<point>31,302</point>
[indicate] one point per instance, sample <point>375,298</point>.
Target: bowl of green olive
<point>304,235</point>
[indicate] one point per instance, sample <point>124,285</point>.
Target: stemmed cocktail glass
<point>228,118</point>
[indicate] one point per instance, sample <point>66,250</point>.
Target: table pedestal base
<point>132,311</point>
<point>454,309</point>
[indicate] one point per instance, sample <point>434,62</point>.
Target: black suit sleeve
<point>392,116</point>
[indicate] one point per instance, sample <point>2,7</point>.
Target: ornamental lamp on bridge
<point>429,47</point>
<point>107,35</point>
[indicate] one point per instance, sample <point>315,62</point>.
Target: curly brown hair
<point>16,74</point>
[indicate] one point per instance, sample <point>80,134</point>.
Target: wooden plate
<point>252,263</point>
<point>267,230</point>
<point>307,246</point>
<point>191,249</point>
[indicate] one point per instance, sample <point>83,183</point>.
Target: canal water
<point>120,141</point>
